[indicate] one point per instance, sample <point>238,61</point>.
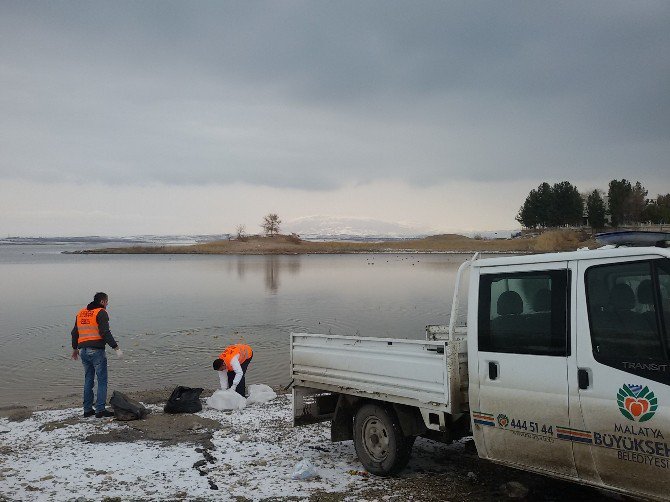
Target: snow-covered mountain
<point>320,226</point>
<point>110,240</point>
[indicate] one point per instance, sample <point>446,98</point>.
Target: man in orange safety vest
<point>89,336</point>
<point>234,361</point>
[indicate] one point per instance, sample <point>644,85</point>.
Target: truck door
<point>523,349</point>
<point>623,366</point>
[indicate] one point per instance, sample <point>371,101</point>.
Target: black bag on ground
<point>125,408</point>
<point>184,400</point>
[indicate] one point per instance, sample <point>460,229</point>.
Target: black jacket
<point>103,327</point>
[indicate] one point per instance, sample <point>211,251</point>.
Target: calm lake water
<point>172,315</point>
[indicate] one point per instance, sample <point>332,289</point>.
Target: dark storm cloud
<point>316,94</point>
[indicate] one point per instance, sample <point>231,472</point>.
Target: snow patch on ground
<point>47,457</point>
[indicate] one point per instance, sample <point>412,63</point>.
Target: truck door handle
<point>493,370</point>
<point>583,379</point>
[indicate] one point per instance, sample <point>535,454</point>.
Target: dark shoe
<point>103,414</point>
<point>89,413</point>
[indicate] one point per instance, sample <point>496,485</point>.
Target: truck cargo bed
<point>411,372</point>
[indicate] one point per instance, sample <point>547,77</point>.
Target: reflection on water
<point>173,314</point>
<point>273,266</point>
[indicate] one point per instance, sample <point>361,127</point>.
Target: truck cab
<point>569,365</point>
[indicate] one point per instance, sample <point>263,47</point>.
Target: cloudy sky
<point>162,117</point>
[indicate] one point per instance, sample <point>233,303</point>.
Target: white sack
<point>260,393</point>
<point>226,400</point>
<point>304,470</point>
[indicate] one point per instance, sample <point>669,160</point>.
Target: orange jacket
<point>243,351</point>
<point>87,325</point>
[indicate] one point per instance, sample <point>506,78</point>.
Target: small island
<point>555,240</point>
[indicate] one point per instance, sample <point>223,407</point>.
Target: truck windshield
<point>629,309</point>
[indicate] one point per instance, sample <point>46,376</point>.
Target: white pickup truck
<point>563,368</point>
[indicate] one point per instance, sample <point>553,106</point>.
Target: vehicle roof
<point>584,254</point>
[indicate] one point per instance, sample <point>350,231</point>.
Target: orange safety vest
<point>87,325</point>
<point>244,351</point>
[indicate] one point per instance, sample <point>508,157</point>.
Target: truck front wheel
<point>380,444</point>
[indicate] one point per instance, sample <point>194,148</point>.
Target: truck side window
<point>524,313</point>
<point>628,315</point>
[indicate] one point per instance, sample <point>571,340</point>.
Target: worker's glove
<point>119,352</point>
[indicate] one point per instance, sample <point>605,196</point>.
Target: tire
<point>409,444</point>
<point>379,442</point>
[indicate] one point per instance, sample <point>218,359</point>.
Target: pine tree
<point>595,208</point>
<point>617,195</point>
<point>567,206</point>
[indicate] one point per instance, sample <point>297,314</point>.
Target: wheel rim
<point>375,439</point>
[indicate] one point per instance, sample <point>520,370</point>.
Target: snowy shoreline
<point>59,455</point>
<point>243,455</point>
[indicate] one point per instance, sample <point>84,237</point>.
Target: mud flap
<point>342,426</point>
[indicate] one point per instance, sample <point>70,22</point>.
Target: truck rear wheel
<point>379,442</point>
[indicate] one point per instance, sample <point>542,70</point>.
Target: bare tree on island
<point>241,232</point>
<point>271,224</point>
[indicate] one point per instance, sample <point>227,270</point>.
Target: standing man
<point>89,336</point>
<point>234,360</point>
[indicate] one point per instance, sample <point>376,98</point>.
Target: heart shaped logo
<point>637,402</point>
<point>503,421</point>
<point>636,406</point>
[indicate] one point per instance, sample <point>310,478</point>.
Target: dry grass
<point>562,240</point>
<point>554,241</point>
<point>559,240</point>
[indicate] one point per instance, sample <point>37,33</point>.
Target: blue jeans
<point>242,385</point>
<point>95,365</point>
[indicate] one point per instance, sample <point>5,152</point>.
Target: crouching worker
<point>234,361</point>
